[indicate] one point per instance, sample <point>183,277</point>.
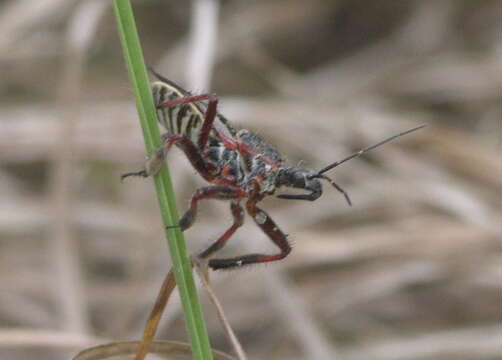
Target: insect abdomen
<point>185,120</point>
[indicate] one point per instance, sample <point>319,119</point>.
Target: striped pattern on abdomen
<point>184,120</point>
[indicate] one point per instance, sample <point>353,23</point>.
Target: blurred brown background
<point>412,271</point>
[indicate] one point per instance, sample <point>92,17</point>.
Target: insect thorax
<point>260,160</point>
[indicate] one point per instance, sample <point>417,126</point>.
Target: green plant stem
<point>181,263</point>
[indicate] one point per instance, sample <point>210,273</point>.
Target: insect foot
<point>152,166</point>
<point>221,264</point>
<point>141,173</point>
<point>187,220</point>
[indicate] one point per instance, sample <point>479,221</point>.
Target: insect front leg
<point>238,215</point>
<point>220,192</point>
<point>269,227</point>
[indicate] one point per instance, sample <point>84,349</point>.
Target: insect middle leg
<point>269,227</point>
<point>238,215</point>
<point>221,192</point>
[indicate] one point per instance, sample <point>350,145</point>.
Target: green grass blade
<point>181,263</point>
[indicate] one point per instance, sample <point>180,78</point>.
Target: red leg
<point>192,153</point>
<point>238,214</point>
<point>153,165</point>
<point>269,227</point>
<point>209,192</point>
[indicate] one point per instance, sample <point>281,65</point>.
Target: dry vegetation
<point>412,271</point>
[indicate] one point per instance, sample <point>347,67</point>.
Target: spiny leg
<point>220,192</point>
<point>269,227</point>
<point>238,215</point>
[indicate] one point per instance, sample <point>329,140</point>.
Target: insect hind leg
<point>238,215</point>
<point>153,165</point>
<point>220,192</point>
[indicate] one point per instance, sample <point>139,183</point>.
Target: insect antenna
<point>360,152</point>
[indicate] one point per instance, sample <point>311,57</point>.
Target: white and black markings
<point>260,217</point>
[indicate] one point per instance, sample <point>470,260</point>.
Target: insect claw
<point>185,222</point>
<point>141,173</point>
<point>348,199</point>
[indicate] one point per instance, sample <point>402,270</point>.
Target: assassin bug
<point>239,165</point>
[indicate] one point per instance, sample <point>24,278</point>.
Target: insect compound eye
<point>299,179</point>
<point>314,185</point>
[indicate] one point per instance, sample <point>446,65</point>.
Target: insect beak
<point>315,188</point>
<point>314,195</point>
